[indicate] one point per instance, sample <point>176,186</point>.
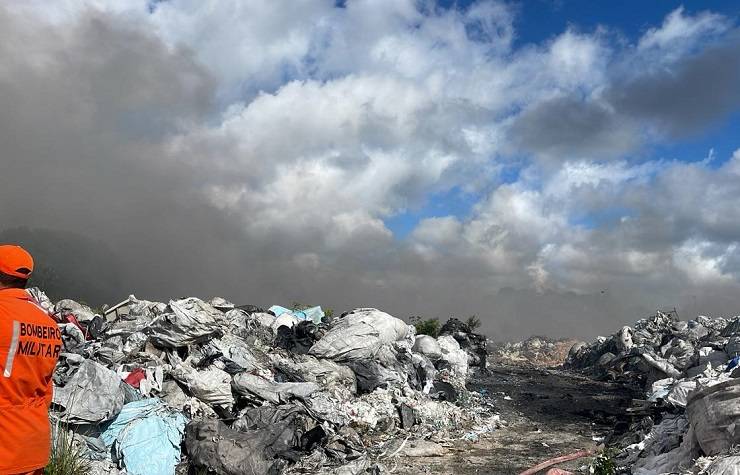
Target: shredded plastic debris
<point>245,391</point>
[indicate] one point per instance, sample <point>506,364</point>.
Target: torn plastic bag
<point>732,328</point>
<point>372,374</point>
<point>42,300</point>
<point>282,430</point>
<point>668,462</point>
<point>72,338</point>
<point>93,394</point>
<point>679,353</point>
<point>306,368</point>
<point>192,407</point>
<point>89,322</point>
<point>220,303</point>
<point>191,320</point>
<point>714,412</point>
<point>212,385</point>
<point>83,313</point>
<point>425,373</point>
<point>245,384</point>
<point>211,444</point>
<point>661,365</point>
<point>236,349</point>
<point>724,466</point>
<point>134,343</point>
<point>146,436</point>
<point>360,334</point>
<point>298,338</point>
<point>110,351</point>
<point>345,444</point>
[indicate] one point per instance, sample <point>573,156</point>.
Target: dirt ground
<point>549,413</point>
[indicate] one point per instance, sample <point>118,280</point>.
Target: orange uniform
<point>30,344</point>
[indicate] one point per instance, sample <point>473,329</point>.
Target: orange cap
<point>15,261</point>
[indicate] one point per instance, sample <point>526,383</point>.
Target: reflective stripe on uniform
<point>13,349</point>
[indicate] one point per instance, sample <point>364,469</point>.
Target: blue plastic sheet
<point>733,363</point>
<point>146,435</point>
<point>315,314</point>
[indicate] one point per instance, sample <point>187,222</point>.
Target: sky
<point>555,167</point>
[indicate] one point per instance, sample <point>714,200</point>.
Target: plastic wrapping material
<point>427,346</point>
<point>360,334</point>
<point>225,451</point>
<point>714,412</point>
<point>146,436</point>
<point>724,466</point>
<point>306,368</point>
<point>455,358</point>
<point>82,313</point>
<point>313,314</point>
<point>246,384</point>
<point>236,350</point>
<point>93,394</point>
<point>212,385</point>
<point>191,320</point>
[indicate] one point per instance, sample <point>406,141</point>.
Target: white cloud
<point>680,31</point>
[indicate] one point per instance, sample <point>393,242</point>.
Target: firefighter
<point>30,343</point>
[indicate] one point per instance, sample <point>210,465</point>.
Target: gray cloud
<point>686,97</point>
<point>573,127</point>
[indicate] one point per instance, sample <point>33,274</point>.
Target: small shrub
<point>473,322</point>
<point>604,464</point>
<point>429,326</point>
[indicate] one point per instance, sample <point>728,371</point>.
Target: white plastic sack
<point>427,346</point>
<point>455,357</point>
<point>93,394</point>
<point>714,413</point>
<point>212,385</point>
<point>360,334</point>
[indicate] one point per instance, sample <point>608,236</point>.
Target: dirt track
<point>549,413</point>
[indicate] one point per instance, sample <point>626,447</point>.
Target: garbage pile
<point>156,388</point>
<point>537,351</point>
<point>474,344</point>
<point>689,372</point>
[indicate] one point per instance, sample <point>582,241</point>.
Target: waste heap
<point>156,388</point>
<point>536,351</point>
<point>474,344</point>
<point>689,371</point>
